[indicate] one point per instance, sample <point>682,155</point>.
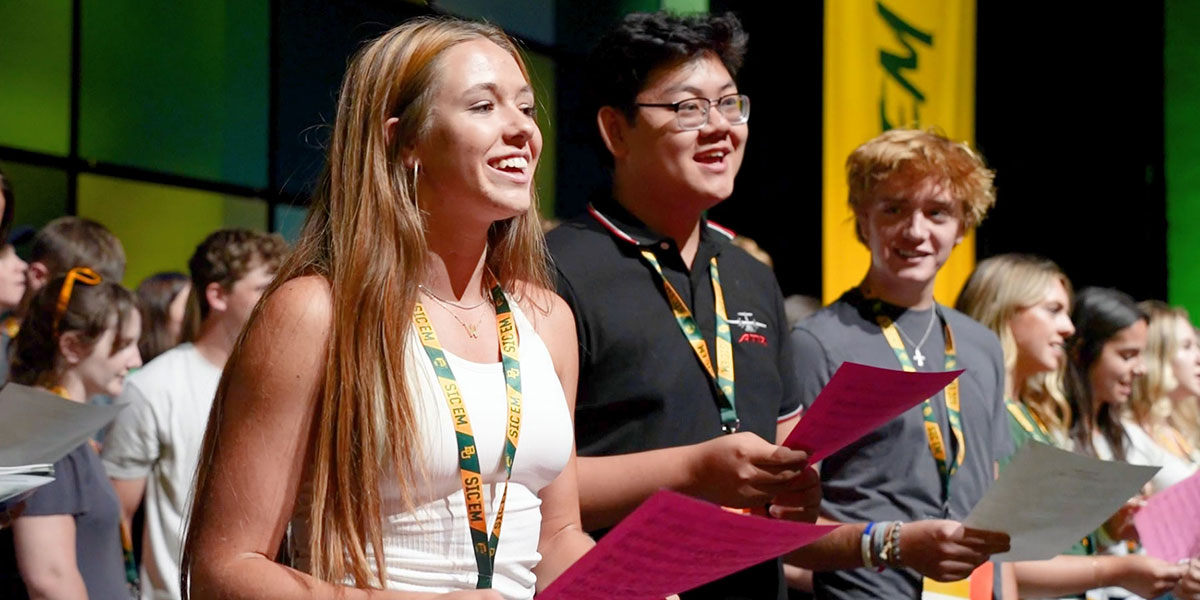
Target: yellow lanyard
<point>933,431</point>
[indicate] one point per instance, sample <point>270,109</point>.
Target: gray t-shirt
<point>890,473</point>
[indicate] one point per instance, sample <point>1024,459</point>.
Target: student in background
<point>79,340</point>
<point>163,299</point>
<point>1026,301</point>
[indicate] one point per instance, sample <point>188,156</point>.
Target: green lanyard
<point>1028,421</point>
<point>468,459</point>
<point>723,374</point>
<point>933,431</point>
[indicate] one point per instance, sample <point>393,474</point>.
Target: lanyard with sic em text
<point>933,431</point>
<point>468,458</point>
<point>723,374</point>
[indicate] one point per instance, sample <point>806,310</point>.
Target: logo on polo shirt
<point>750,328</point>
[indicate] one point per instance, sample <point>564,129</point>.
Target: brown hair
<point>997,290</point>
<point>89,314</point>
<point>69,242</point>
<point>224,257</point>
<point>155,294</point>
<point>912,156</point>
<point>365,235</point>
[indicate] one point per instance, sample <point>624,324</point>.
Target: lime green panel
<point>160,225</point>
<point>685,6</point>
<point>1181,62</point>
<point>177,87</point>
<point>35,75</point>
<point>289,220</point>
<point>245,213</point>
<point>541,71</point>
<point>40,193</point>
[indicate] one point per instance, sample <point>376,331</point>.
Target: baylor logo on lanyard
<point>468,457</point>
<point>723,374</point>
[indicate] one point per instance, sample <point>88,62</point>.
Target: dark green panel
<point>40,193</point>
<point>1181,62</point>
<point>289,220</point>
<point>178,87</point>
<point>35,75</point>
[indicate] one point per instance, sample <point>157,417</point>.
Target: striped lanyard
<point>1028,421</point>
<point>723,374</point>
<point>933,431</point>
<point>468,458</point>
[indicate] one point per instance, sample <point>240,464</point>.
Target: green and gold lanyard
<point>1028,421</point>
<point>937,445</point>
<point>468,459</point>
<point>723,374</point>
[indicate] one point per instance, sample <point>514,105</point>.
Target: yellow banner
<point>891,64</point>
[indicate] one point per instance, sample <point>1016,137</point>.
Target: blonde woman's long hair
<point>365,234</point>
<point>1150,404</point>
<point>997,290</point>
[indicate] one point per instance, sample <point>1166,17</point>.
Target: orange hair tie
<point>83,275</point>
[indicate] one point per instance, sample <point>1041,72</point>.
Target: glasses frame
<point>708,104</point>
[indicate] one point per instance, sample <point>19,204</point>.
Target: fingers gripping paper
<point>673,543</point>
<point>856,401</point>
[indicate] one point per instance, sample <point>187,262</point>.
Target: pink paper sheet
<point>673,543</point>
<point>856,401</point>
<point>1169,523</point>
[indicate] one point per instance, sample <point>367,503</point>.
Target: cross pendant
<point>919,358</point>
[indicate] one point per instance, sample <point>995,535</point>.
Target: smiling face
<point>478,157</point>
<point>1041,330</point>
<point>104,368</point>
<point>910,230</point>
<point>1111,374</point>
<point>693,168</point>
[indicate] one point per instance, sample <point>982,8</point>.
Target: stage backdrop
<point>891,64</point>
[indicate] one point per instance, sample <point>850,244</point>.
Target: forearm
<point>253,576</point>
<point>1063,575</point>
<point>66,584</point>
<point>1008,575</point>
<point>559,552</point>
<point>611,487</point>
<point>840,549</point>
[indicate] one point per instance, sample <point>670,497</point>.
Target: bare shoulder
<point>549,313</point>
<point>299,307</point>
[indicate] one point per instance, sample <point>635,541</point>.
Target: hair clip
<point>83,275</point>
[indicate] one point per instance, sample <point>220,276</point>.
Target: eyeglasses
<point>692,113</point>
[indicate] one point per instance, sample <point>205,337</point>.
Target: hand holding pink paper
<point>856,401</point>
<point>1169,523</point>
<point>673,543</point>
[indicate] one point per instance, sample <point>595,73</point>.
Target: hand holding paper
<point>673,543</point>
<point>1046,499</point>
<point>856,401</point>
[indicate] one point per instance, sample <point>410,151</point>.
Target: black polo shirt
<point>641,386</point>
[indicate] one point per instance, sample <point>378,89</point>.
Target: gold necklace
<point>472,329</point>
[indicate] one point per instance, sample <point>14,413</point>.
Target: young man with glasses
<point>684,352</point>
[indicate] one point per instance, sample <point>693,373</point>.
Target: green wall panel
<point>40,192</point>
<point>160,225</point>
<point>1181,62</point>
<point>35,75</point>
<point>177,87</point>
<point>541,71</point>
<point>685,6</point>
<point>289,220</point>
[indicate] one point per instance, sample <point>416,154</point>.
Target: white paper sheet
<point>38,427</point>
<point>1047,499</point>
<point>15,487</point>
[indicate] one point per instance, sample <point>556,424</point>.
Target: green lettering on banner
<point>894,66</point>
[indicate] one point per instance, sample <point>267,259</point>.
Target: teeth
<point>714,154</point>
<point>516,162</point>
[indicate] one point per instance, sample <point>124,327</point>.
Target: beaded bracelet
<point>894,536</point>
